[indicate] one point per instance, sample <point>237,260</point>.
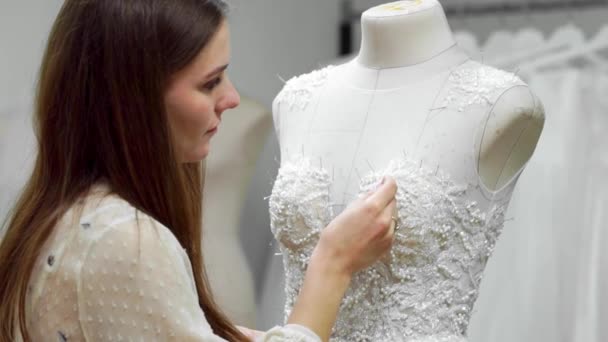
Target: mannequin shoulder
<point>315,78</point>
<point>299,90</point>
<point>518,103</point>
<point>474,83</point>
<point>507,95</point>
<point>510,134</point>
<point>296,95</point>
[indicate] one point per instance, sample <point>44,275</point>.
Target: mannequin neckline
<point>354,75</point>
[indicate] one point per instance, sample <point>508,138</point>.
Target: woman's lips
<point>213,130</point>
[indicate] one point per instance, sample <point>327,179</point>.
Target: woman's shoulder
<point>102,213</point>
<point>99,207</point>
<point>111,230</point>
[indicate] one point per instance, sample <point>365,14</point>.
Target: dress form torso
<point>444,127</point>
<point>391,99</point>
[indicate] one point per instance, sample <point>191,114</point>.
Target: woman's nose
<point>229,100</point>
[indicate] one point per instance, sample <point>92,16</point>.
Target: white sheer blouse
<point>109,272</point>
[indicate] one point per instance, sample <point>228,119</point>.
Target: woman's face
<point>197,96</point>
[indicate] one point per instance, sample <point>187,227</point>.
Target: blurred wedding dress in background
<point>545,279</point>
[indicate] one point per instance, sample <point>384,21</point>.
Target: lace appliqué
<point>298,213</point>
<point>475,83</point>
<point>298,91</point>
<point>424,290</point>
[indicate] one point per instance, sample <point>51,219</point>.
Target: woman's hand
<point>352,241</point>
<point>363,233</point>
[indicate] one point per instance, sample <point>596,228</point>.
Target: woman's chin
<point>197,155</point>
<point>202,153</point>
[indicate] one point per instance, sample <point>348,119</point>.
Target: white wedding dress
<point>426,287</point>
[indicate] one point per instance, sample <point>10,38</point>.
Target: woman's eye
<point>209,86</point>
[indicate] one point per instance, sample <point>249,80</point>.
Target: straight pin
<point>358,175</point>
<point>370,165</point>
<point>517,71</point>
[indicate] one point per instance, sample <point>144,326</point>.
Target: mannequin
<point>455,134</point>
<point>405,45</point>
<point>228,173</point>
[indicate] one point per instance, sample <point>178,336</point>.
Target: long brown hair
<point>100,116</point>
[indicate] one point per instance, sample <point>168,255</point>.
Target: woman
<point>105,242</point>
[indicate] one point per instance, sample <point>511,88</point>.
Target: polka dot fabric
<point>111,273</point>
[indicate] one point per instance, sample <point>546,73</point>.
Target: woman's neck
<point>403,33</point>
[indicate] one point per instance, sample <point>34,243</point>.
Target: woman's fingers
<point>380,198</point>
<point>364,232</point>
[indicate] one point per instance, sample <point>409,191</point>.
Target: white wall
<point>273,38</point>
<point>24,26</point>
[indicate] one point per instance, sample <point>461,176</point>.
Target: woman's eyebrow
<point>217,70</point>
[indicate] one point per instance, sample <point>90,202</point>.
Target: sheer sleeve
<point>136,284</point>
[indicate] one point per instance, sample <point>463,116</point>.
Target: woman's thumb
<point>371,192</point>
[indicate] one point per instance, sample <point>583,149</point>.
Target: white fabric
<point>112,273</point>
<point>545,280</point>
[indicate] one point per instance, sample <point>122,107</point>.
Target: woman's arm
<point>320,297</point>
